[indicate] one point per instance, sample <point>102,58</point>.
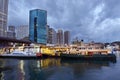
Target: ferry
<point>91,53</point>
<point>22,52</point>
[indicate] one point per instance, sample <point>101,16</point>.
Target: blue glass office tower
<point>37,26</point>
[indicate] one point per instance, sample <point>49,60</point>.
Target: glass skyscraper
<point>3,17</point>
<point>37,26</point>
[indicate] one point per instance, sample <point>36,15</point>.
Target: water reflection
<point>49,69</point>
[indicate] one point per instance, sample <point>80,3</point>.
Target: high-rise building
<point>60,37</point>
<point>11,32</point>
<point>3,17</point>
<point>37,26</point>
<point>52,39</point>
<point>66,37</point>
<point>22,31</point>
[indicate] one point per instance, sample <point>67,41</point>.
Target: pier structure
<point>88,50</point>
<point>56,50</point>
<point>70,50</point>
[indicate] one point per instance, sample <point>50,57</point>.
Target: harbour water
<point>56,69</point>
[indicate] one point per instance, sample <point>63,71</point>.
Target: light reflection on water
<point>56,69</point>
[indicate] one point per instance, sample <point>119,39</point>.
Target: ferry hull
<point>20,57</point>
<point>99,57</point>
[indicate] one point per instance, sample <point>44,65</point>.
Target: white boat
<point>19,54</point>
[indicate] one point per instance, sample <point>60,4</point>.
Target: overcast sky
<point>93,20</point>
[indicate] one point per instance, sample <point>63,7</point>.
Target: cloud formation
<point>92,20</point>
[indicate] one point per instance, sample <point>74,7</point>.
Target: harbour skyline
<point>59,40</point>
<point>97,21</point>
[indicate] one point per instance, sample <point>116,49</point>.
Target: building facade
<point>47,29</point>
<point>11,28</point>
<point>11,32</point>
<point>67,37</point>
<point>60,37</point>
<point>3,17</point>
<point>37,26</point>
<point>22,31</point>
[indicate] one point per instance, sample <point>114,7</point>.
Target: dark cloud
<point>97,20</point>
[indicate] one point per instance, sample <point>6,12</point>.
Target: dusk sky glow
<point>92,20</point>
